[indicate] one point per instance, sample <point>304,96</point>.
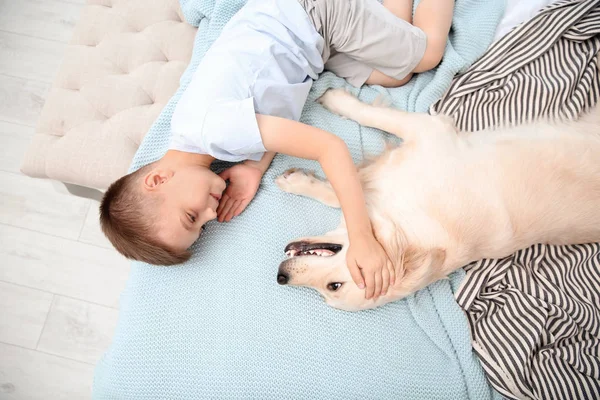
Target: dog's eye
<point>333,286</point>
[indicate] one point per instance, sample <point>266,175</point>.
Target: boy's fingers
<point>370,282</point>
<point>378,284</point>
<point>220,214</point>
<point>225,174</point>
<point>356,275</point>
<point>392,273</point>
<point>240,208</point>
<point>234,206</point>
<point>385,280</point>
<point>222,203</point>
<point>226,209</point>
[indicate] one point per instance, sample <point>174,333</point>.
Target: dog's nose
<point>282,279</point>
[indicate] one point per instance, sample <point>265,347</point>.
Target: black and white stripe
<point>544,67</point>
<point>534,317</point>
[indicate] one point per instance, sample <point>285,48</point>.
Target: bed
<point>219,326</point>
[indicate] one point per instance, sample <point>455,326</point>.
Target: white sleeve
<point>230,131</point>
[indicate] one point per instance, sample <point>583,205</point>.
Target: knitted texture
<point>219,326</point>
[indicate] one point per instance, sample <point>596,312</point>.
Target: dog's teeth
<point>290,253</point>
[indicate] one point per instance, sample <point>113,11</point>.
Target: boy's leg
<point>370,44</point>
<point>403,10</point>
<point>434,17</point>
<point>358,73</point>
<point>400,8</point>
<point>379,78</point>
<point>366,32</point>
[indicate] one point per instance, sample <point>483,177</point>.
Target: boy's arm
<point>264,162</point>
<point>244,180</point>
<point>300,140</point>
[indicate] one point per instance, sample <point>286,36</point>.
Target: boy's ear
<point>156,177</point>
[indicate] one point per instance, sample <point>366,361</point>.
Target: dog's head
<point>320,263</point>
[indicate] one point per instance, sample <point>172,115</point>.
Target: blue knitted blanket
<point>219,326</point>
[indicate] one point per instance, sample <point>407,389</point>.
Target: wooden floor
<point>59,278</point>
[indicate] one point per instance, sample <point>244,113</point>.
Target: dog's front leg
<point>406,125</point>
<point>299,182</point>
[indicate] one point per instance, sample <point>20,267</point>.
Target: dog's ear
<point>421,267</point>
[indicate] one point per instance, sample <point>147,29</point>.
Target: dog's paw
<point>341,102</point>
<point>295,181</point>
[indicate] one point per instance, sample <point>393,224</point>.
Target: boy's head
<point>157,212</point>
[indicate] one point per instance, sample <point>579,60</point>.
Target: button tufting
<point>137,66</point>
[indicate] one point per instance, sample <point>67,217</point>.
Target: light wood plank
<point>46,19</point>
<point>21,100</point>
<point>83,2</point>
<point>78,330</point>
<point>23,312</point>
<point>61,266</point>
<point>30,58</point>
<point>91,232</point>
<point>35,204</point>
<point>14,140</point>
<point>32,375</point>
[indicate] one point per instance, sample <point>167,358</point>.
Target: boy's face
<point>189,199</point>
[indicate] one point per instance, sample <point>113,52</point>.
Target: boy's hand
<point>244,180</point>
<point>369,264</point>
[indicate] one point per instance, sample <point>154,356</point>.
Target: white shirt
<point>264,61</point>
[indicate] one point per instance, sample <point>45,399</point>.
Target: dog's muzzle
<point>298,250</point>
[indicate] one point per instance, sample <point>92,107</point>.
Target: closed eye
<point>191,217</point>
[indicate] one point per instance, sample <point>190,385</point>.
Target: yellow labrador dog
<point>446,198</point>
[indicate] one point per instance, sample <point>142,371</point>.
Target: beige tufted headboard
<point>120,69</point>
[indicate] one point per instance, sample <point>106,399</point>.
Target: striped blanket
<point>544,67</point>
<point>535,316</point>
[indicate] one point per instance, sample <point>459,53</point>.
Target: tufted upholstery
<point>120,69</point>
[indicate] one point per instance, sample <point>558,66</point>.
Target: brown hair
<point>126,222</point>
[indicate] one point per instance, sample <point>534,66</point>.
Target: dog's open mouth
<point>297,249</point>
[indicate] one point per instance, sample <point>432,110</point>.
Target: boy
<point>244,102</point>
